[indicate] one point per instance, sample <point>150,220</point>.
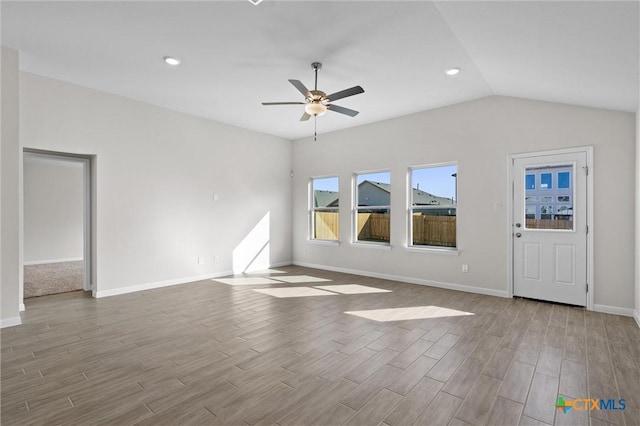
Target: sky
<point>434,180</point>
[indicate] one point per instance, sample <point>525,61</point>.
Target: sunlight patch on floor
<point>298,279</point>
<point>352,289</point>
<point>286,292</point>
<point>246,281</point>
<point>410,313</point>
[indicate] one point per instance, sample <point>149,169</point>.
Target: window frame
<point>312,210</point>
<point>410,208</point>
<point>355,209</point>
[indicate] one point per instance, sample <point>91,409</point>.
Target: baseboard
<point>149,286</point>
<point>22,307</point>
<point>280,264</point>
<point>411,280</point>
<point>636,315</point>
<point>42,262</point>
<point>606,309</point>
<point>271,266</point>
<point>10,322</point>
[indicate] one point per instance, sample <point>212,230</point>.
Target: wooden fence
<point>427,229</point>
<point>434,230</point>
<point>373,227</point>
<point>327,226</point>
<point>549,224</point>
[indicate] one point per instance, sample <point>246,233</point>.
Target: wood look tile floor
<point>298,346</point>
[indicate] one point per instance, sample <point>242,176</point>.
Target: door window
<point>549,197</point>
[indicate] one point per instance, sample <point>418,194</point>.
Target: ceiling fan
<point>317,102</point>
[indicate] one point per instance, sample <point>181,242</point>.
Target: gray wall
<point>10,181</point>
<point>53,210</point>
<point>479,135</point>
<point>156,172</point>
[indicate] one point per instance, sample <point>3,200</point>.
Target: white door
<point>550,227</point>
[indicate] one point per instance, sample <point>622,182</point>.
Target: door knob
<point>518,235</point>
<point>518,225</point>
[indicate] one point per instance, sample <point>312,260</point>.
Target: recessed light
<point>171,60</point>
<point>255,2</point>
<point>452,71</point>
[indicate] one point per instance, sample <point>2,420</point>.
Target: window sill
<point>435,250</point>
<point>325,242</point>
<point>378,246</point>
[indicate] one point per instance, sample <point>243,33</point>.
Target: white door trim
<point>588,150</point>
<point>88,238</point>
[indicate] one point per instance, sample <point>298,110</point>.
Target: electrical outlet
<point>465,268</point>
<point>216,259</point>
<point>200,260</point>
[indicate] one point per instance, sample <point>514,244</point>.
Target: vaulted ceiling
<point>236,55</point>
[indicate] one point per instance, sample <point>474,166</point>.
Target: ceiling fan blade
<point>301,87</point>
<point>355,90</point>
<point>283,103</point>
<point>305,117</point>
<point>342,110</point>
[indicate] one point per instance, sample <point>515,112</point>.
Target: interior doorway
<point>56,212</point>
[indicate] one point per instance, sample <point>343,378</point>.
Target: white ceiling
<point>236,55</point>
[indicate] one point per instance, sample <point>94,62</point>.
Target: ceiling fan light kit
<point>315,109</point>
<point>317,102</point>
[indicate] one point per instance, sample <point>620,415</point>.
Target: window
<point>530,211</point>
<point>433,206</point>
<point>564,180</point>
<point>550,205</point>
<point>531,182</point>
<point>545,180</point>
<point>325,197</point>
<point>372,213</point>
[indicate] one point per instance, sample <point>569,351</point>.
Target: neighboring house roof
<point>325,198</point>
<point>420,197</point>
<point>384,186</point>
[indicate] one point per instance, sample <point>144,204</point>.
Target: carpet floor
<point>53,278</point>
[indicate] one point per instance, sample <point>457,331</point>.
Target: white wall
<point>53,210</point>
<point>9,180</point>
<point>479,135</point>
<point>156,172</point>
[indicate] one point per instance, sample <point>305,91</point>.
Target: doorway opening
<point>57,223</point>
